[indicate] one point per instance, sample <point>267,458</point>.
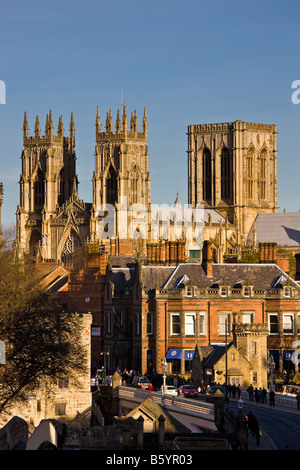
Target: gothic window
<point>72,243</point>
<point>111,187</point>
<point>61,188</point>
<point>134,186</point>
<point>249,173</point>
<point>39,191</point>
<point>226,175</point>
<point>262,175</point>
<point>206,175</point>
<point>35,242</point>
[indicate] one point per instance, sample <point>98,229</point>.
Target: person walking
<point>272,398</point>
<point>264,395</point>
<point>250,392</point>
<point>250,426</point>
<point>256,431</point>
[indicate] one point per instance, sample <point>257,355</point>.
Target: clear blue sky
<point>188,62</point>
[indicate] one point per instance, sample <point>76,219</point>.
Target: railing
<point>180,405</point>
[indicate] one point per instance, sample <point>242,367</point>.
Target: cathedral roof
<point>281,227</point>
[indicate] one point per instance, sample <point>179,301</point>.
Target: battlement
<point>231,126</point>
<point>122,129</point>
<point>49,137</point>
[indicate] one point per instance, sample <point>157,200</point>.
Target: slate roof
<point>152,275</point>
<point>281,227</point>
<point>261,276</point>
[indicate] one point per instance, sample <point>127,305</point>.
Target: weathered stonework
<point>232,167</point>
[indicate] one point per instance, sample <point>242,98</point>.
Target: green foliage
<point>249,257</point>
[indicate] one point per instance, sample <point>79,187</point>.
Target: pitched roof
<point>280,227</point>
<point>155,410</point>
<point>263,276</point>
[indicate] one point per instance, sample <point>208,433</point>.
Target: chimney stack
<point>268,252</point>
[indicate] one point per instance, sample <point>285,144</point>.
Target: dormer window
<point>224,291</point>
<point>189,292</point>
<point>247,291</point>
<point>287,292</point>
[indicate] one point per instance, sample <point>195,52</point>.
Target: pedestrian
<point>256,431</point>
<point>250,422</point>
<point>250,392</point>
<point>264,394</point>
<point>239,391</point>
<point>256,395</point>
<point>272,398</point>
<point>298,400</point>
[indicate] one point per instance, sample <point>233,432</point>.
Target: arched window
<point>72,243</point>
<point>134,185</point>
<point>61,198</point>
<point>111,187</point>
<point>206,175</point>
<point>226,175</point>
<point>34,243</point>
<point>262,175</point>
<point>39,191</point>
<point>249,173</point>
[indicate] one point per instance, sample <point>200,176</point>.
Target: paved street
<point>280,425</point>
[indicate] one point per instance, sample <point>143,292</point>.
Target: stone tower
<point>121,177</point>
<point>251,342</point>
<point>232,168</point>
<point>49,209</point>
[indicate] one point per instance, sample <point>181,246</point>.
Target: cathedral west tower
<point>121,167</point>
<point>51,219</point>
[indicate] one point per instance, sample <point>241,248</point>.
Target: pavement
<point>266,443</point>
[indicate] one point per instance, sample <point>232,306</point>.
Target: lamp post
<point>271,367</point>
<point>240,405</point>
<point>104,354</point>
<point>164,367</point>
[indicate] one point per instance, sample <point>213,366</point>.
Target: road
<point>283,426</point>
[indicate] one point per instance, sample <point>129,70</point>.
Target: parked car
<point>141,381</point>
<point>187,391</point>
<point>211,390</point>
<point>170,390</point>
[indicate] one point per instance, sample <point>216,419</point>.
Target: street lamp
<point>240,405</point>
<point>164,366</point>
<point>104,354</point>
<point>271,367</point>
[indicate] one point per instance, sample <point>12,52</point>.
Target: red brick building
<point>152,311</point>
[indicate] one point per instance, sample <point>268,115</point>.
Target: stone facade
<point>232,168</point>
<point>52,221</point>
<point>65,400</point>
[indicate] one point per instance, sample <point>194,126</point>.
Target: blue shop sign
<point>188,355</point>
<point>174,354</point>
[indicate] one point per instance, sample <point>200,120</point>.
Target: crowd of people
<point>261,395</point>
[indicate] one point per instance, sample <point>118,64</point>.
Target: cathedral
<point>231,175</point>
<point>52,221</point>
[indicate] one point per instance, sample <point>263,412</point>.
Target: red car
<point>187,391</point>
